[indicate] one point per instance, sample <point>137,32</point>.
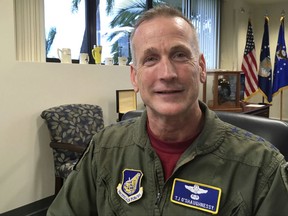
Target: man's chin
<point>169,110</point>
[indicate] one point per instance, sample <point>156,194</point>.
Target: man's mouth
<point>169,92</point>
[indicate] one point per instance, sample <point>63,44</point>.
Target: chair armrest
<point>67,146</point>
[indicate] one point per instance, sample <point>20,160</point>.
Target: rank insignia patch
<point>196,195</point>
<point>130,189</point>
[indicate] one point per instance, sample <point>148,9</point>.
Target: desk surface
<point>247,108</point>
<point>256,109</point>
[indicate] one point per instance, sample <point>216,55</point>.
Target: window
<point>116,21</point>
<point>80,24</point>
<point>64,26</point>
<point>205,16</point>
<point>206,19</point>
<point>173,3</point>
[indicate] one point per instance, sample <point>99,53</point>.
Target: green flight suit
<point>120,174</point>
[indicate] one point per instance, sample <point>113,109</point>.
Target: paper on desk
<point>255,105</point>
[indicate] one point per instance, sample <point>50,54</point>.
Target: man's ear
<point>202,65</point>
<point>133,78</point>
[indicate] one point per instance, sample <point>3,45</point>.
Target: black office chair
<point>274,131</point>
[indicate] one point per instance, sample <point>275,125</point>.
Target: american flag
<point>249,64</point>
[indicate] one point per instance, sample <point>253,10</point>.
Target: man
<point>179,158</point>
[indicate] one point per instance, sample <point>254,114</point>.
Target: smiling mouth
<point>169,92</point>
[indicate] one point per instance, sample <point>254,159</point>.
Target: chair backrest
<point>73,123</point>
<point>131,114</point>
<point>274,131</point>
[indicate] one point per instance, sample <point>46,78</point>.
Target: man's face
<point>166,69</point>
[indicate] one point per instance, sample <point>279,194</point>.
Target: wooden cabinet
<point>226,94</point>
<point>225,89</point>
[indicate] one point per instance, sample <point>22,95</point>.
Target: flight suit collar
<point>208,140</point>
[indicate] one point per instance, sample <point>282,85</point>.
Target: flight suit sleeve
<point>276,200</point>
<point>77,196</point>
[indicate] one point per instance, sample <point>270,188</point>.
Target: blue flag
<point>280,75</point>
<point>265,69</point>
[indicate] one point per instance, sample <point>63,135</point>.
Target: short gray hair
<point>163,11</point>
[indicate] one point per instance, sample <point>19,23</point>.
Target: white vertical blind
<point>205,16</point>
<point>30,31</point>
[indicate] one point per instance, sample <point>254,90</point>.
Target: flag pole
<point>281,92</point>
<point>281,104</point>
<point>281,97</point>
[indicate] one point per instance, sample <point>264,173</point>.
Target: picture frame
<point>126,100</point>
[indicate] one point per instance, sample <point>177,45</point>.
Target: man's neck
<point>176,129</point>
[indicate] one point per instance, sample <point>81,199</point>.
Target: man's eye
<point>150,60</point>
<point>180,56</point>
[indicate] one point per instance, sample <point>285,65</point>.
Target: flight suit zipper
<point>159,192</point>
<point>158,198</point>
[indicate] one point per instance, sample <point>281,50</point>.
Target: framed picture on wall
<point>126,100</point>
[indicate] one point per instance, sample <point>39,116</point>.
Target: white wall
<point>26,168</point>
<point>233,37</point>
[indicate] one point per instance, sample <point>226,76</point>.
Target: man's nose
<point>167,69</point>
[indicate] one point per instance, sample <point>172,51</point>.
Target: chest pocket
<point>107,200</point>
<point>235,207</point>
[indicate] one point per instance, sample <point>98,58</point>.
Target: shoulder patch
<point>130,188</point>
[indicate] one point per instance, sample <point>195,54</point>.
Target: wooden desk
<point>248,108</point>
<point>256,109</point>
<point>232,102</point>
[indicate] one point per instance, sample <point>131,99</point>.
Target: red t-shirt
<point>168,152</point>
